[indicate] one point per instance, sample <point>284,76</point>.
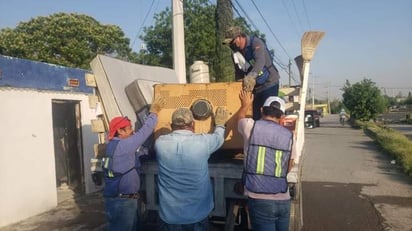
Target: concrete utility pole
<point>328,100</point>
<point>310,41</point>
<point>313,93</point>
<point>179,58</point>
<point>290,73</point>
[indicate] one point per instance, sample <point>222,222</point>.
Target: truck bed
<point>225,169</point>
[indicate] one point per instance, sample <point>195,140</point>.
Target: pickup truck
<point>312,118</point>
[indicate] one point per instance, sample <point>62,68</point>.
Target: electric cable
<point>291,20</point>
<point>246,15</point>
<point>270,29</point>
<point>276,59</point>
<point>144,20</point>
<point>306,14</point>
<point>297,15</point>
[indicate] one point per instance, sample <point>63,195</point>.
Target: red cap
<point>117,123</point>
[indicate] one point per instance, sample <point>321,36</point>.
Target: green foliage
<point>200,37</point>
<point>335,106</point>
<point>408,101</point>
<point>71,40</point>
<point>391,101</point>
<point>204,27</point>
<point>200,31</point>
<point>392,142</point>
<point>158,39</point>
<point>223,64</point>
<point>363,100</point>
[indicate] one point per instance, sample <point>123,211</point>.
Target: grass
<point>391,141</point>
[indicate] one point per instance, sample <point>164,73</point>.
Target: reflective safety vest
<point>267,160</point>
<point>111,178</point>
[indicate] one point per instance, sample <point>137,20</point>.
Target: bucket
<point>199,72</point>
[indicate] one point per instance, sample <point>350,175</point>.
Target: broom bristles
<point>310,41</point>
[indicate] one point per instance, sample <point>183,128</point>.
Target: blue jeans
<point>269,214</point>
<point>202,225</point>
<point>260,98</point>
<point>121,213</point>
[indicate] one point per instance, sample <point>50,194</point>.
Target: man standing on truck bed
<point>121,168</point>
<point>268,159</point>
<point>260,74</point>
<point>185,190</point>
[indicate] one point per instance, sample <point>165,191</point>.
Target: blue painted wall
<point>22,73</point>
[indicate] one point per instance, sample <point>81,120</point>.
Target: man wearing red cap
<point>121,166</point>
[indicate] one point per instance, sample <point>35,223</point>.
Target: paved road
<point>406,129</point>
<point>348,184</point>
<point>396,117</point>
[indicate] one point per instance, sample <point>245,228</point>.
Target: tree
<point>391,100</point>
<point>224,19</point>
<point>71,40</point>
<point>158,41</point>
<point>199,25</point>
<point>363,99</point>
<point>408,101</point>
<point>335,106</point>
<point>204,24</point>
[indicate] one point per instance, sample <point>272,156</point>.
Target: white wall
<point>27,166</point>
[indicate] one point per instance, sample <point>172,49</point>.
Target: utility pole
<point>313,92</point>
<point>328,100</point>
<point>290,73</point>
<point>179,60</point>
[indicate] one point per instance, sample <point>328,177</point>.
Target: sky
<point>369,39</point>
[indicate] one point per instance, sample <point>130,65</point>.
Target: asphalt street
<point>348,184</point>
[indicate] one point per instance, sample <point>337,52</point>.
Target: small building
<point>46,141</point>
<point>291,95</point>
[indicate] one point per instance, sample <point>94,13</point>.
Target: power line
<point>291,20</point>
<point>306,13</point>
<point>297,15</point>
<point>144,20</point>
<point>270,29</point>
<point>246,15</point>
<point>276,59</point>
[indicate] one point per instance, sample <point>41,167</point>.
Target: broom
<point>310,41</point>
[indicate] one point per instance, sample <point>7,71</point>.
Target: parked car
<point>312,118</point>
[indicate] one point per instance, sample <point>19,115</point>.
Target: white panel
<point>27,166</point>
<point>113,75</point>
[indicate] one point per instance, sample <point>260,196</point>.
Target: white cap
<point>272,99</point>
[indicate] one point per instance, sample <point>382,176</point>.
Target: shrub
<point>392,142</point>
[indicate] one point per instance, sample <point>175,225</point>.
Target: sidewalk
<point>78,213</point>
<point>81,213</point>
<point>348,183</point>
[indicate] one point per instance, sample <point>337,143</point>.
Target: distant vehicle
<point>342,120</point>
<point>342,117</point>
<point>312,118</point>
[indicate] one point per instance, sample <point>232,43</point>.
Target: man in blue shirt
<point>121,165</point>
<point>185,190</point>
